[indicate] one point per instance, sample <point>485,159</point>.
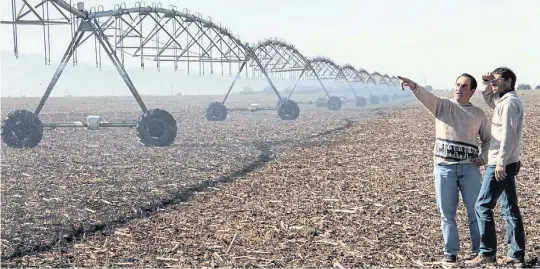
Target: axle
<point>92,123</point>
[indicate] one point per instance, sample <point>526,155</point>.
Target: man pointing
<point>457,156</point>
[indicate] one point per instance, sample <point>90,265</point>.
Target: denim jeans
<point>504,191</point>
<point>449,180</point>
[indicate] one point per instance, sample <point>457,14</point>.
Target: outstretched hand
<point>405,82</point>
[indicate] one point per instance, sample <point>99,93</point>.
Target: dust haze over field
<point>87,80</point>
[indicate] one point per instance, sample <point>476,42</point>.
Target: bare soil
<point>351,188</point>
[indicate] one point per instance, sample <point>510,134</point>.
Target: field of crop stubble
<point>350,188</point>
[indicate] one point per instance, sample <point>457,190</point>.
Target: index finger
<point>403,81</point>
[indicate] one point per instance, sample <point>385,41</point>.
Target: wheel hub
<point>156,128</point>
<point>217,112</point>
<point>287,109</point>
<point>21,130</point>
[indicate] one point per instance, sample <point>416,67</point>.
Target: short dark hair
<point>506,73</point>
<point>474,84</point>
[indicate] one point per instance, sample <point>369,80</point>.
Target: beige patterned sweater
<point>457,129</point>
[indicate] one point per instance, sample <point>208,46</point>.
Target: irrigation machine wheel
<point>334,103</point>
<point>157,128</point>
<point>360,101</point>
<point>288,109</point>
<point>216,111</point>
<point>22,129</point>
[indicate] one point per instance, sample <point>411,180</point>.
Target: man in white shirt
<point>503,165</point>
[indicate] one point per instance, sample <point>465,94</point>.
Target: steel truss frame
<point>280,57</point>
<point>363,76</point>
<point>374,78</point>
<point>113,31</point>
<point>394,80</point>
<point>350,74</point>
<point>168,36</point>
<point>149,33</point>
<point>29,14</point>
<point>328,69</point>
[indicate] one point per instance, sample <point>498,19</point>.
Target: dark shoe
<point>514,261</point>
<point>449,258</point>
<point>479,260</point>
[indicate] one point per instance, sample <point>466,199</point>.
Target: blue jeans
<point>504,191</point>
<point>449,180</point>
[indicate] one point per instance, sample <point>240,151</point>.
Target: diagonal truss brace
<point>282,50</point>
<point>327,67</point>
<point>251,54</point>
<point>344,76</point>
<point>309,67</point>
<point>91,26</point>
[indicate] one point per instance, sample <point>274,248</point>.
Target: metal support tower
<point>277,59</point>
<point>282,59</point>
<point>326,70</point>
<point>149,33</point>
<point>162,37</point>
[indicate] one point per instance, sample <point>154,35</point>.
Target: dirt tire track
<point>77,232</point>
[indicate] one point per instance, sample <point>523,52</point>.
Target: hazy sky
<point>415,38</point>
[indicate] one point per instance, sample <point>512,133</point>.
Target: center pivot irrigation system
<point>164,36</point>
<point>274,57</point>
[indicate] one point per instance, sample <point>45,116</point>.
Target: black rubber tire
<point>157,128</point>
<point>385,98</point>
<point>22,128</point>
<point>334,103</point>
<point>288,109</point>
<point>360,101</point>
<point>374,100</point>
<point>216,111</point>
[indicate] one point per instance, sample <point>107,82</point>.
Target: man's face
<point>499,84</point>
<point>462,90</point>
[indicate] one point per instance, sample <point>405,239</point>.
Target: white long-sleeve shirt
<point>506,128</point>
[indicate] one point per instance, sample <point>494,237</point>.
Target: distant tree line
<point>527,87</point>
